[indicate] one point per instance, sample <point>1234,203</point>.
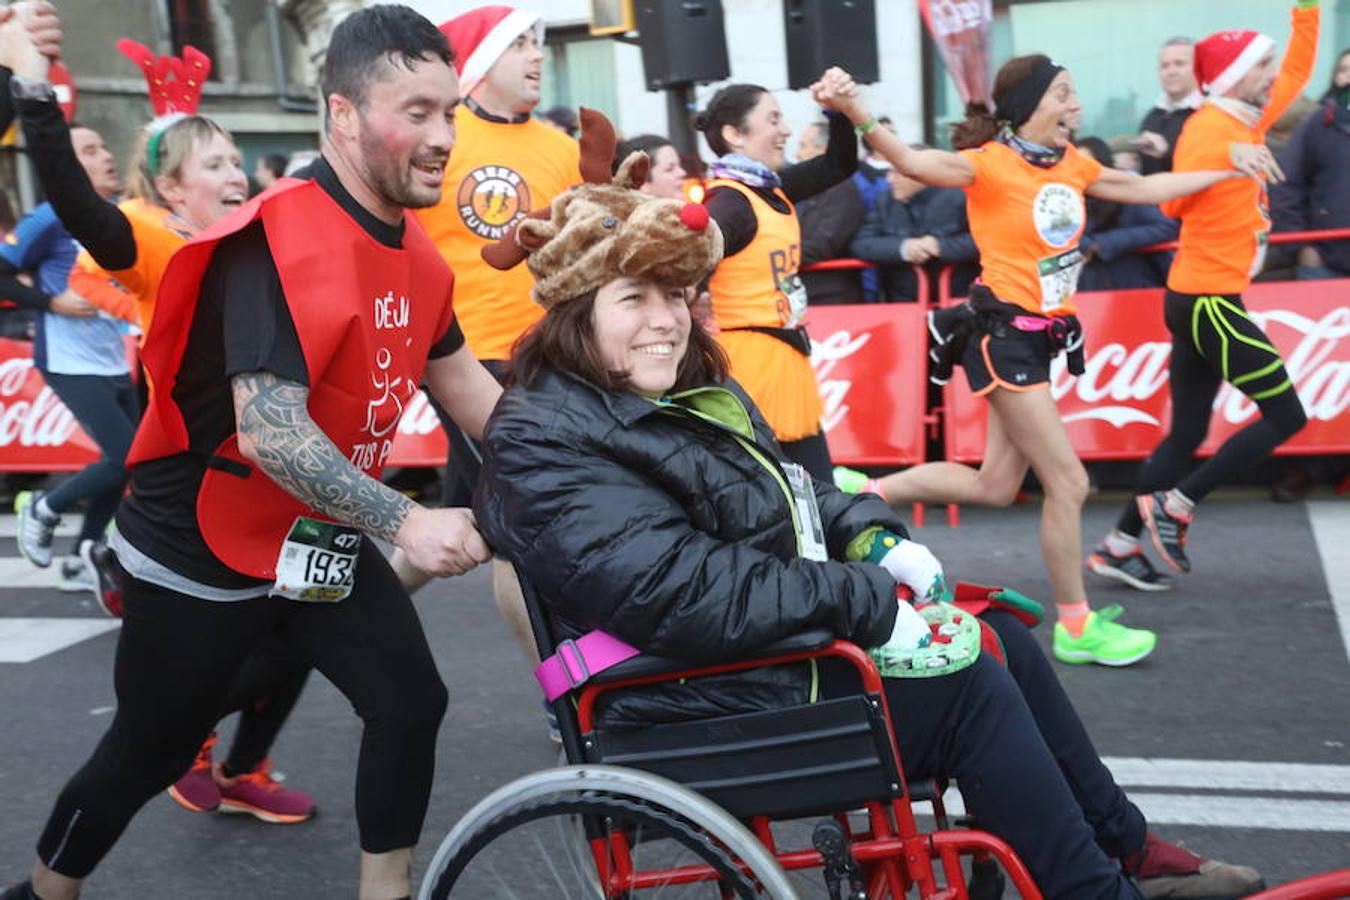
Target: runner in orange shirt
<point>1024,184</point>
<point>1223,244</point>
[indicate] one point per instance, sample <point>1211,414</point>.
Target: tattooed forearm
<point>274,424</point>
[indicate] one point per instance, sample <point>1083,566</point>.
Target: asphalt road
<point>1232,737</point>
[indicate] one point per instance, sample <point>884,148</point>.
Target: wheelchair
<point>723,816</point>
<point>721,807</point>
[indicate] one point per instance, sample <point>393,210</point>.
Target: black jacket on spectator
<point>828,221</point>
<point>940,212</point>
<point>1115,231</point>
<point>660,528</point>
<point>1316,192</point>
<point>1166,122</point>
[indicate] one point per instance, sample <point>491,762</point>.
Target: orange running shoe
<point>260,795</point>
<point>197,790</point>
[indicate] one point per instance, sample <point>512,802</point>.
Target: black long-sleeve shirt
<point>98,225</point>
<point>733,213</point>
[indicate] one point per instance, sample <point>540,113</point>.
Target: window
<point>190,23</point>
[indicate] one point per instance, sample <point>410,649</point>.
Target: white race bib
<point>1059,278</point>
<point>317,563</point>
<point>810,531</point>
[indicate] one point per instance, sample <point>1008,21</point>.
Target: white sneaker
<point>75,576</point>
<point>34,535</point>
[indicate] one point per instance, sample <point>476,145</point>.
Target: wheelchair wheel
<point>538,837</point>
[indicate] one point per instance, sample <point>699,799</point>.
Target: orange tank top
<point>1027,220</point>
<point>759,286</point>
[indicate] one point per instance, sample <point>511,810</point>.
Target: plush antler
<point>175,84</point>
<point>598,142</point>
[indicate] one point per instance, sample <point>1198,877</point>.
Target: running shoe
<point>1167,530</point>
<point>75,577</point>
<point>21,891</point>
<point>850,481</point>
<point>34,532</point>
<point>1165,870</point>
<point>197,790</point>
<point>1133,569</point>
<point>1104,641</point>
<point>97,559</point>
<point>262,796</point>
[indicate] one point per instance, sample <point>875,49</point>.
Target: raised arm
<point>277,434</point>
<point>937,168</point>
<point>1130,187</point>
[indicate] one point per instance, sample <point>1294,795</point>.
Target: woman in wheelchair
<point>642,494</point>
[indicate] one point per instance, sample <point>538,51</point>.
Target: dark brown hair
<point>563,339</point>
<point>980,127</point>
<point>729,106</point>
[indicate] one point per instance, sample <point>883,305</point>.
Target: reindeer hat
<point>604,229</point>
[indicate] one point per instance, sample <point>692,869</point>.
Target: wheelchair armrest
<point>646,664</point>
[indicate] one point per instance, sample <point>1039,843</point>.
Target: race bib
<point>810,531</point>
<point>795,293</point>
<point>317,562</point>
<point>1059,278</point>
<point>1259,261</point>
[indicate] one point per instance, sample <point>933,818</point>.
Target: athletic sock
<point>45,513</point>
<point>1118,543</point>
<point>1073,616</point>
<point>1178,504</point>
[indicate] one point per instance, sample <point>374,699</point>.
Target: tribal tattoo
<point>291,450</point>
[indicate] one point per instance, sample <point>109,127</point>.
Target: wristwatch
<point>21,88</point>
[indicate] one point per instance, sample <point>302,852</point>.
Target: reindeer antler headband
<point>175,86</point>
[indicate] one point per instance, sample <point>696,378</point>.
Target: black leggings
<point>107,408</point>
<point>178,659</point>
<point>264,693</point>
<point>1025,765</point>
<point>1213,341</point>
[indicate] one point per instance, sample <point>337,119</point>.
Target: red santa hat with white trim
<point>1225,56</point>
<point>480,36</point>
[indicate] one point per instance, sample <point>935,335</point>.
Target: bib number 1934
<point>317,563</point>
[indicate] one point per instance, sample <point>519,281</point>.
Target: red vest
<point>366,316</point>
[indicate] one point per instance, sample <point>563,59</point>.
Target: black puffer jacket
<point>662,529</point>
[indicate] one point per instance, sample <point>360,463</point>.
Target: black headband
<point>1020,101</point>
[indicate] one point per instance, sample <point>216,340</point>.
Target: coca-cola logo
<point>1119,381</point>
<point>29,417</point>
<point>825,355</point>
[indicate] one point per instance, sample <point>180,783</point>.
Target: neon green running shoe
<point>1104,641</point>
<point>850,481</point>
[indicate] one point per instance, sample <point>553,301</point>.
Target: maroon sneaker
<point>1165,870</point>
<point>97,559</point>
<point>263,797</point>
<point>197,790</point>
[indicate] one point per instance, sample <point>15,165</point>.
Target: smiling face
<point>1176,72</point>
<point>405,131</point>
<point>764,134</point>
<point>209,184</point>
<point>1254,87</point>
<point>512,86</point>
<point>1057,116</point>
<point>641,328</point>
<point>97,161</point>
<point>666,178</point>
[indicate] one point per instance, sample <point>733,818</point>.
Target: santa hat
<point>480,36</point>
<point>1224,57</point>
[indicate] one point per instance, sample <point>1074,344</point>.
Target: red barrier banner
<point>1120,406</point>
<point>870,365</point>
<point>420,440</point>
<point>37,432</point>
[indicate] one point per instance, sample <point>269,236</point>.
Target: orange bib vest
<point>366,316</point>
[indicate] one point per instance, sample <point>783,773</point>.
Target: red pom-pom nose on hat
<point>694,216</point>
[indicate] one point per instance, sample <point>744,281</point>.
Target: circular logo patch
<point>490,198</point>
<point>1058,213</point>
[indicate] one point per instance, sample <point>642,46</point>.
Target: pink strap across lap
<point>574,662</point>
<point>1031,323</point>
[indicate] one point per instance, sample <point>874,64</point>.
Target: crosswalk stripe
<point>1276,777</point>
<point>17,572</point>
<point>23,640</point>
<point>69,527</point>
<point>1330,521</point>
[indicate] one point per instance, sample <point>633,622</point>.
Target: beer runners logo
<point>1058,213</point>
<point>490,198</point>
